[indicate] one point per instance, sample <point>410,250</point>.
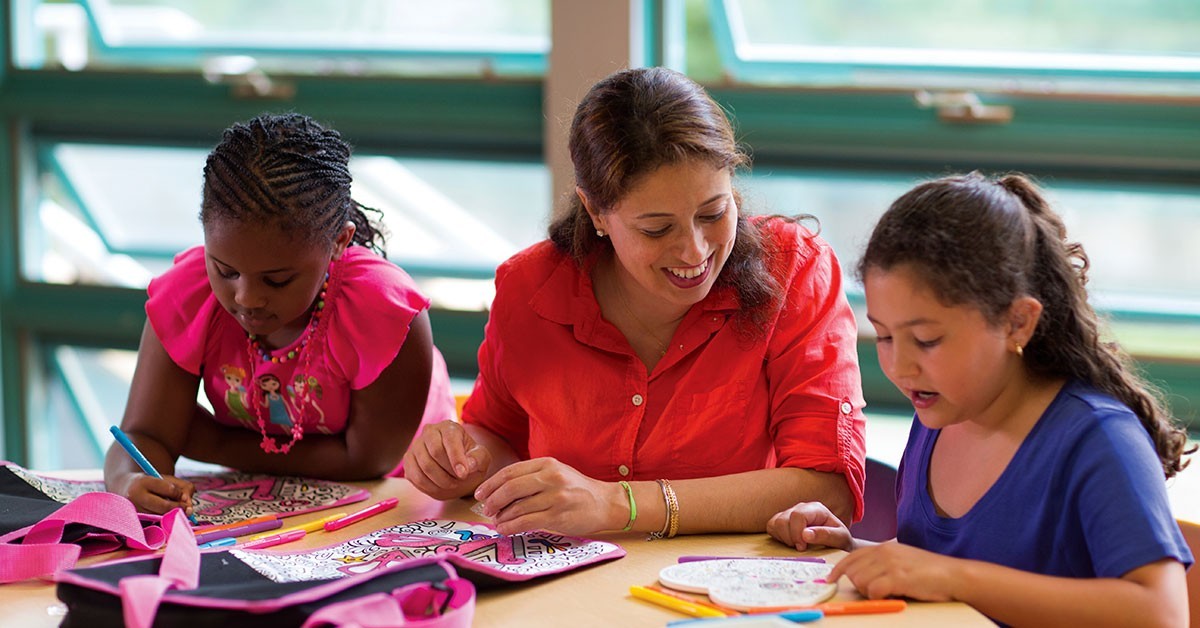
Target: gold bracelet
<point>673,503</point>
<point>671,521</point>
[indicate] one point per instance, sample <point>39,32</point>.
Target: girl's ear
<point>343,240</point>
<point>597,219</point>
<point>1023,316</point>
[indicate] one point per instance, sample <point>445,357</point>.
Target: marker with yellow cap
<point>310,527</point>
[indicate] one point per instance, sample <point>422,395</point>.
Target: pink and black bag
<point>422,573</point>
<point>40,535</point>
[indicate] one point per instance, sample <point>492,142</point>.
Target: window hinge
<point>963,107</point>
<point>245,79</point>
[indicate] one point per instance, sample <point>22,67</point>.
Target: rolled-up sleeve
<point>815,386</point>
<point>491,405</point>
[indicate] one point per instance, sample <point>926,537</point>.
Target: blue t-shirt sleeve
<point>1121,497</point>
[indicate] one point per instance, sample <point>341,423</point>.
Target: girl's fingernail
<point>460,470</point>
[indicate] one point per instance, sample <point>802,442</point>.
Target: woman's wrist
<point>633,509</point>
<point>618,506</point>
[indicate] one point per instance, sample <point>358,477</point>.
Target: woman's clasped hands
<point>545,494</point>
<point>446,462</point>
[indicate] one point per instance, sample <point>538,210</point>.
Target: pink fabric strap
<point>180,569</point>
<point>41,551</point>
<point>450,604</point>
<point>21,562</point>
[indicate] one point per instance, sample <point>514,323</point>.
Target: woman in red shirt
<point>663,362</point>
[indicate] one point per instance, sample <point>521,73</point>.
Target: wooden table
<point>592,596</point>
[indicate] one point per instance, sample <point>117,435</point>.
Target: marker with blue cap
<point>774,619</point>
<point>140,459</point>
<point>225,542</point>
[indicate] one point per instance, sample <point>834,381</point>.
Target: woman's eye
<point>927,344</point>
<point>657,233</point>
<point>227,274</point>
<point>714,217</point>
<point>882,339</point>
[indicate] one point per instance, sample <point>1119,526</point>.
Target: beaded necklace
<point>313,333</point>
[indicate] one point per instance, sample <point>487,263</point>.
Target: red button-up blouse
<point>557,379</point>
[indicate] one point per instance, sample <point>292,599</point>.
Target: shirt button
<point>623,470</point>
<point>847,408</point>
<point>638,400</point>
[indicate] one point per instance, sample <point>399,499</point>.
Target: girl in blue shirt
<point>1032,484</point>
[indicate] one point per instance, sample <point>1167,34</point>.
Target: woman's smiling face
<point>672,232</point>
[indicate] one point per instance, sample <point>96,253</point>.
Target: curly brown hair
<point>986,242</point>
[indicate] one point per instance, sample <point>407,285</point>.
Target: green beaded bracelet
<point>632,505</point>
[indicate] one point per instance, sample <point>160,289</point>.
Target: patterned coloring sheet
<point>225,497</point>
<point>509,557</point>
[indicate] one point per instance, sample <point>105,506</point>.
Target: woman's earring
<point>1020,351</point>
<point>600,232</point>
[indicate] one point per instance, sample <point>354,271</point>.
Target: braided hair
<point>985,243</point>
<point>289,171</point>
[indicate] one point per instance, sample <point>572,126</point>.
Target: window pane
<point>1138,239</point>
<point>292,36</point>
<point>856,42</point>
<point>86,389</point>
<point>117,215</point>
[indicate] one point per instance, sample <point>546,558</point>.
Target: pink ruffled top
<point>369,310</point>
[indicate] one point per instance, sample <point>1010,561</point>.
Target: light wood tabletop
<point>597,595</point>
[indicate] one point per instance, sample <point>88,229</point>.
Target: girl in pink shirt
<point>313,350</point>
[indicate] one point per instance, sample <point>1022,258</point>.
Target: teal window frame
<point>821,66</point>
<point>492,118</point>
<point>514,55</point>
<point>860,131</point>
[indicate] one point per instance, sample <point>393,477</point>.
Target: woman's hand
<point>156,495</point>
<point>810,523</point>
<point>445,462</point>
<point>896,570</point>
<point>545,494</point>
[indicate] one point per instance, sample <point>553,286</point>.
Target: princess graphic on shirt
<point>273,400</point>
<point>235,394</point>
<point>304,393</point>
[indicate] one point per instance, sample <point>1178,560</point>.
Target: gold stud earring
<point>1020,351</point>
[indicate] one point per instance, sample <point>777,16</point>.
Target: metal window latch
<point>245,79</point>
<point>963,107</point>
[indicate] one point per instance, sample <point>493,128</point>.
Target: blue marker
<point>141,461</point>
<point>796,616</point>
<point>229,540</point>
